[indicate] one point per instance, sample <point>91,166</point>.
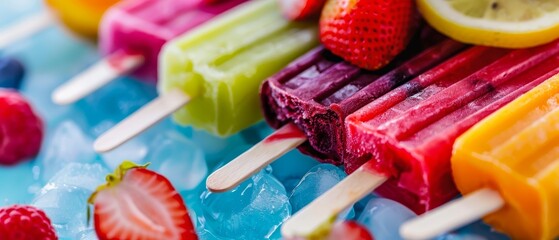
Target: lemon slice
<point>498,23</point>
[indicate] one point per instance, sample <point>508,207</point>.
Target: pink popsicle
<point>131,35</point>
<point>143,26</point>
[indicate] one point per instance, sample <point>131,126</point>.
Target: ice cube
<point>215,147</point>
<point>134,150</point>
<point>204,234</point>
<point>229,155</point>
<point>475,231</point>
<point>67,144</point>
<point>256,132</point>
<point>66,206</point>
<point>115,101</point>
<point>178,159</point>
<point>284,170</point>
<point>87,235</point>
<point>253,210</point>
<point>383,218</point>
<point>317,181</point>
<point>87,176</point>
<point>454,236</point>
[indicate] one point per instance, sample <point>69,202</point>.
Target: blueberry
<point>11,73</point>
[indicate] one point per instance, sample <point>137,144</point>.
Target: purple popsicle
<point>319,90</point>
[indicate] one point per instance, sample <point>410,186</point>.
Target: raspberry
<point>20,222</point>
<point>21,130</point>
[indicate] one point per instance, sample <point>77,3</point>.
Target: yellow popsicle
<point>81,16</point>
<point>515,152</point>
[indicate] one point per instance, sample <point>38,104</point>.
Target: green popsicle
<point>221,64</point>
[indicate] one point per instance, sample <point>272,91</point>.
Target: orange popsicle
<point>515,152</point>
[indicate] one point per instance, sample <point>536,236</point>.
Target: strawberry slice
<point>301,9</point>
<point>137,203</point>
<point>366,33</point>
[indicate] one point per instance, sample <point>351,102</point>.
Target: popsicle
<point>211,75</point>
<point>155,23</point>
<point>312,96</point>
<point>513,156</point>
<point>406,136</point>
<point>81,17</point>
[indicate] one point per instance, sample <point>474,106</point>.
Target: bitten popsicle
<point>513,155</point>
<point>311,98</point>
<point>81,17</point>
<point>406,136</point>
<point>155,23</point>
<point>211,75</point>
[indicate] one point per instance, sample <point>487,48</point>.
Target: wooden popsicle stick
<point>319,212</point>
<point>25,28</point>
<point>141,120</point>
<point>453,215</point>
<point>256,158</point>
<point>100,74</point>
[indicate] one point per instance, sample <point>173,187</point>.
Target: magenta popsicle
<point>155,23</point>
<point>131,36</point>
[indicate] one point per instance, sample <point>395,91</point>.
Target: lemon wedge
<point>498,23</point>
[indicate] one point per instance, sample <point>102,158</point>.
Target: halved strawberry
<point>137,203</point>
<point>301,9</point>
<point>368,33</point>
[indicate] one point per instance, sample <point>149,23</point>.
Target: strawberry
<point>137,203</point>
<point>368,33</point>
<point>349,230</point>
<point>301,9</point>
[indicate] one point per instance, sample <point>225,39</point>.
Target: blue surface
<point>13,11</point>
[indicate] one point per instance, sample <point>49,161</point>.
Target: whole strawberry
<point>21,129</point>
<point>20,222</point>
<point>301,9</point>
<point>368,33</point>
<point>137,203</point>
